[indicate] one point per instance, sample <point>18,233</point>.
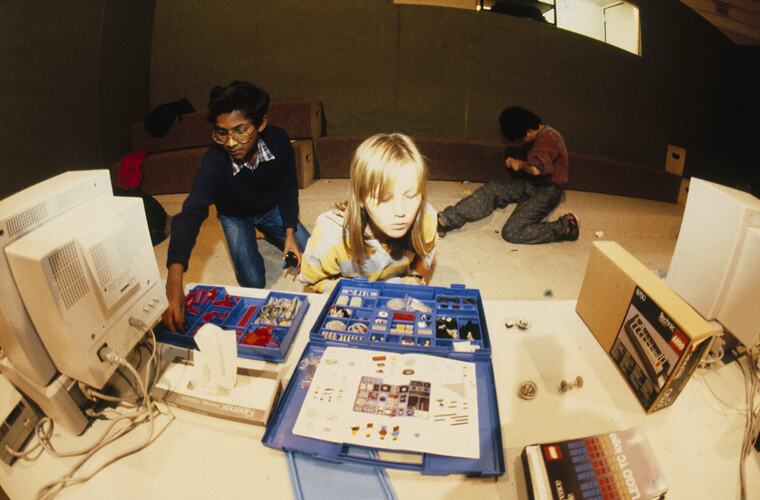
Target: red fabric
<point>130,170</point>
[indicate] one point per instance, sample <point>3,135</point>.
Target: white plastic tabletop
<point>696,441</point>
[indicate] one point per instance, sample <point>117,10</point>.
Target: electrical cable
<point>95,395</point>
<point>142,410</point>
<point>750,370</point>
<point>52,488</point>
<point>714,354</point>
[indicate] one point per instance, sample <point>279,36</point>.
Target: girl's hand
<point>413,279</point>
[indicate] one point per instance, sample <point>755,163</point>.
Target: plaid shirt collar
<point>262,154</point>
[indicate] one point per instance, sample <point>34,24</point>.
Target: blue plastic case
<point>260,334</point>
<point>452,310</point>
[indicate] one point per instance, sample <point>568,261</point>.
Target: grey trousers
<point>535,200</point>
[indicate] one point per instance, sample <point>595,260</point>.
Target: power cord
<point>749,364</point>
<point>715,353</point>
<point>142,410</point>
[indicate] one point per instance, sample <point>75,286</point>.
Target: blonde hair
<point>374,166</point>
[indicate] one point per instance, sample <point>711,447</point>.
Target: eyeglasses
<point>242,134</point>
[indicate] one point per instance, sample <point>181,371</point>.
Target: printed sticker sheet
<point>412,402</point>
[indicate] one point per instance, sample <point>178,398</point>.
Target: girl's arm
<point>315,278</point>
<point>320,263</point>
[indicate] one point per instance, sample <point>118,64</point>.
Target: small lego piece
<point>356,302</point>
<point>565,386</point>
<point>522,324</point>
<point>290,260</point>
<point>395,304</point>
<point>528,390</point>
<point>335,324</point>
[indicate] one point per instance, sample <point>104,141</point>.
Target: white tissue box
<point>251,400</point>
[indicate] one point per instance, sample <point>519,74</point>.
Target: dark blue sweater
<point>272,184</point>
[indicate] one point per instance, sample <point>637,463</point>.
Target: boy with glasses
<point>249,174</point>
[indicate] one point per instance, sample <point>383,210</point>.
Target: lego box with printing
<point>652,335</point>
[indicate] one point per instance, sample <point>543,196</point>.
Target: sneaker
<point>572,227</point>
<point>442,227</point>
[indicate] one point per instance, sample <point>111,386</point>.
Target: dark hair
<point>516,121</point>
<point>245,97</point>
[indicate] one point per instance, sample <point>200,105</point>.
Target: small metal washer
<point>528,390</point>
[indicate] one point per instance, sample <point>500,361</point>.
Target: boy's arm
<point>545,152</point>
<point>187,224</point>
<point>287,195</point>
<point>522,166</point>
<point>174,316</point>
<point>184,232</point>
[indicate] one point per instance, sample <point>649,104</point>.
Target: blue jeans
<point>244,249</point>
<point>535,200</point>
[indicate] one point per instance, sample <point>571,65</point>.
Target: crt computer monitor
<point>20,214</point>
<point>716,262</point>
<point>83,278</point>
<point>86,279</point>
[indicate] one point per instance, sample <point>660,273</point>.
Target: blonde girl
<point>385,230</point>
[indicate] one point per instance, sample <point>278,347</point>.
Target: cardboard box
<point>683,191</point>
<point>675,159</point>
<point>250,402</point>
<point>301,119</point>
<point>653,336</point>
<point>304,153</point>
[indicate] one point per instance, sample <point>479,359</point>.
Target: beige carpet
<point>475,255</point>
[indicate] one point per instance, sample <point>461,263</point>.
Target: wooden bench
<point>173,160</point>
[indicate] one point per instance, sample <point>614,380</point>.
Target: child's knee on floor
<point>510,234</point>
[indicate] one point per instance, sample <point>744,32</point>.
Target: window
<point>615,22</point>
<point>612,22</point>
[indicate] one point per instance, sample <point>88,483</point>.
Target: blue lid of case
<point>315,479</point>
<point>375,297</point>
<point>265,327</point>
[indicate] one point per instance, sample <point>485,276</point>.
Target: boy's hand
<point>513,163</point>
<point>174,316</point>
<point>291,247</point>
<point>522,166</point>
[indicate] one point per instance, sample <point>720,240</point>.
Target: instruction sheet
<point>412,402</point>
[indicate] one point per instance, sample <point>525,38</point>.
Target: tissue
<point>215,361</point>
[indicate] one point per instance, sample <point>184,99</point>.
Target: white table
<point>697,440</point>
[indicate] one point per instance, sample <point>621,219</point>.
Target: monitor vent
<point>26,220</point>
<point>102,269</point>
<point>68,274</point>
